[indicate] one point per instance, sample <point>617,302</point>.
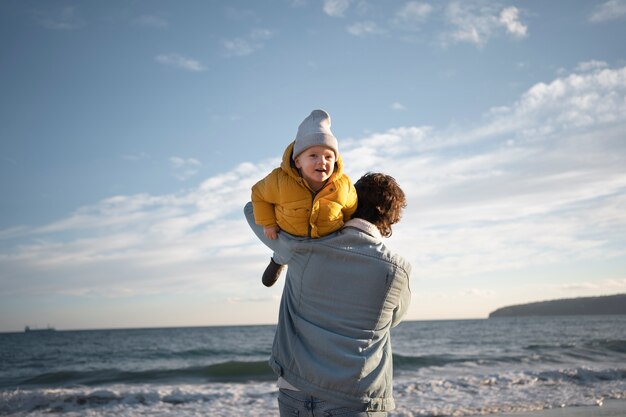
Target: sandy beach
<point>610,408</point>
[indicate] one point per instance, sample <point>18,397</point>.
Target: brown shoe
<point>272,272</point>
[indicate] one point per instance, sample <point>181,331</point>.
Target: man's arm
<point>282,245</point>
<point>404,302</point>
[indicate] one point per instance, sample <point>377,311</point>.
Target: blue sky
<point>131,133</point>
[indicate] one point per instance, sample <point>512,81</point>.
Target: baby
<point>308,195</point>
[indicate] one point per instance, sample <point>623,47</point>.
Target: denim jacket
<point>342,295</point>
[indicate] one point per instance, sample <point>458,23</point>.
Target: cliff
<point>611,304</point>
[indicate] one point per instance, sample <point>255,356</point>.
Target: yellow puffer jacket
<point>285,199</point>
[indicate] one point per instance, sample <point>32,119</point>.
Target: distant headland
<point>610,304</point>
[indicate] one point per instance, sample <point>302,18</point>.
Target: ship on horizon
<point>28,329</point>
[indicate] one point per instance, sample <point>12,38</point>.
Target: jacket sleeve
<point>351,202</point>
<point>404,300</point>
<point>263,200</point>
<point>283,245</point>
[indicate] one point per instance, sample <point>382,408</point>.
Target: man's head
<point>380,201</point>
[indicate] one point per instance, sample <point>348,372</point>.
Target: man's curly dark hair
<point>380,201</point>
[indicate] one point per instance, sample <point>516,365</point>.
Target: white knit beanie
<point>314,131</point>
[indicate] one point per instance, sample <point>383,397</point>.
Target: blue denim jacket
<point>342,295</point>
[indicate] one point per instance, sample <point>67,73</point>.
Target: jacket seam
<point>356,251</point>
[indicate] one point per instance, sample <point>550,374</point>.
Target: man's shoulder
<point>396,259</point>
<point>402,263</point>
<point>356,241</point>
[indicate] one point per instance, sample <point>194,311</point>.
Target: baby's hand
<point>271,232</point>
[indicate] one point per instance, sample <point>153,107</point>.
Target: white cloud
<point>151,21</point>
<point>473,22</point>
<point>261,35</point>
<point>336,8</point>
<point>547,186</point>
<point>140,244</point>
<point>608,286</point>
<point>573,101</point>
<point>238,47</point>
<point>539,182</point>
<point>610,10</point>
<point>364,29</point>
<point>413,13</point>
<point>181,62</point>
<point>510,19</point>
<point>247,45</point>
<point>233,13</point>
<point>477,292</point>
<point>184,168</point>
<point>298,3</point>
<point>240,300</point>
<point>66,19</point>
<point>591,66</point>
<point>398,106</point>
<point>136,157</point>
<point>469,25</point>
<point>477,22</point>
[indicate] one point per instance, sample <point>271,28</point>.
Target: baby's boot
<point>272,272</point>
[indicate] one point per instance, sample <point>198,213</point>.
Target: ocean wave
<point>583,375</point>
<point>227,371</point>
<point>123,399</point>
<point>463,395</point>
<point>599,345</point>
<point>245,371</point>
<point>230,371</point>
<point>201,353</point>
<point>612,345</point>
<point>425,361</point>
<point>509,391</point>
<point>542,347</point>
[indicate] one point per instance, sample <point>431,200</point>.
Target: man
<point>342,295</point>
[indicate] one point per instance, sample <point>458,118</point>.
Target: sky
<point>132,131</point>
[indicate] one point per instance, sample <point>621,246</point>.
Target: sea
<point>441,368</point>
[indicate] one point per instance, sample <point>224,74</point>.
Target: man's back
<point>342,294</point>
<point>340,281</point>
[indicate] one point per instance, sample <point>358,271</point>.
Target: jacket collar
<point>364,226</point>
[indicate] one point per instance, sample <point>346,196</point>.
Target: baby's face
<point>316,165</point>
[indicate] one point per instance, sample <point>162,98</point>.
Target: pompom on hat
<point>315,131</point>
